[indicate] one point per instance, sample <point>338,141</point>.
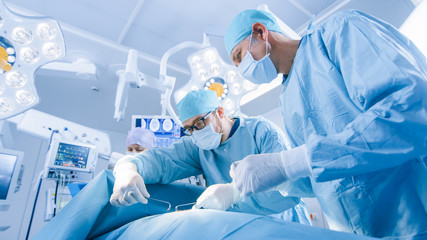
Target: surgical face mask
<point>206,138</point>
<point>132,153</point>
<point>258,72</point>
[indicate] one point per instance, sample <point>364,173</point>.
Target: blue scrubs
<point>357,97</point>
<point>183,159</point>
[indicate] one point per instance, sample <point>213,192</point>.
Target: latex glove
<point>257,173</point>
<point>129,187</point>
<point>219,197</point>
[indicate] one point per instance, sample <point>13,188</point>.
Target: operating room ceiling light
<point>209,71</point>
<point>26,43</point>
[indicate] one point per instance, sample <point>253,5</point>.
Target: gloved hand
<point>129,187</point>
<point>257,173</point>
<point>219,197</point>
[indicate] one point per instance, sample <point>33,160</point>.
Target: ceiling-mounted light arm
<point>134,77</point>
<point>169,81</point>
<point>179,47</point>
<point>131,77</point>
<point>121,96</point>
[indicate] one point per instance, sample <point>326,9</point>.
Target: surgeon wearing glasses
<point>213,142</point>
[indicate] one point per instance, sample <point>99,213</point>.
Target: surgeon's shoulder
<point>344,15</point>
<point>260,123</point>
<point>337,23</point>
<point>340,18</point>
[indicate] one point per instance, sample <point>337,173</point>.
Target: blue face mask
<point>206,138</point>
<point>258,72</point>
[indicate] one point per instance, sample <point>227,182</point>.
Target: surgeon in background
<point>139,140</point>
<point>213,142</point>
<point>354,104</point>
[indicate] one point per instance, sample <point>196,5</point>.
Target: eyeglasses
<point>198,125</point>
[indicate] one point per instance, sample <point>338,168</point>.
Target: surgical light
<point>11,59</point>
<point>203,75</point>
<point>229,104</point>
<point>26,43</point>
<point>231,76</point>
<point>25,97</point>
<point>29,55</point>
<point>16,79</point>
<point>46,32</point>
<point>197,61</point>
<point>215,69</point>
<point>22,35</point>
<point>52,50</point>
<point>236,89</point>
<point>10,51</point>
<point>212,73</point>
<point>6,106</point>
<point>210,56</point>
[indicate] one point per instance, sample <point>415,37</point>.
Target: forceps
<point>170,205</point>
<point>158,200</point>
<point>178,206</point>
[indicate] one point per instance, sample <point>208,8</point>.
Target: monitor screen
<point>7,168</point>
<point>165,128</point>
<point>69,155</point>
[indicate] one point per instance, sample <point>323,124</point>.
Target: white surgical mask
<point>258,72</point>
<point>131,153</point>
<point>206,138</point>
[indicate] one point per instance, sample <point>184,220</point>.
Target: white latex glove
<point>261,172</point>
<point>219,197</point>
<point>258,173</point>
<point>129,187</point>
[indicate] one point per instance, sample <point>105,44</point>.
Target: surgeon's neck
<point>227,124</point>
<point>283,51</point>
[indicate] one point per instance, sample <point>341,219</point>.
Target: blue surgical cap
<point>141,136</point>
<point>197,102</point>
<point>241,26</point>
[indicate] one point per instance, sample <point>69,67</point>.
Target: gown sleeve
<point>385,76</point>
<point>165,165</point>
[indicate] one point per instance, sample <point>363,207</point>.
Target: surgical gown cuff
<point>296,162</point>
<point>126,159</point>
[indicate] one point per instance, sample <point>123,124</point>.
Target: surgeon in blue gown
<point>216,141</point>
<point>354,105</point>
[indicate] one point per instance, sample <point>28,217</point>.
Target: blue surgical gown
<point>357,97</point>
<point>183,159</point>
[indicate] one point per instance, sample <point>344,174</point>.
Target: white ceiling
<point>104,30</point>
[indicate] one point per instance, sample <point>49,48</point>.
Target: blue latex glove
<point>257,173</point>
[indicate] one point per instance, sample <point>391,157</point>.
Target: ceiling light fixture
<point>26,43</point>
